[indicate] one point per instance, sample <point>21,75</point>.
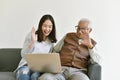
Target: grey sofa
<point>10,57</point>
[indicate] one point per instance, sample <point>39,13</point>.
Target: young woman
<point>40,41</point>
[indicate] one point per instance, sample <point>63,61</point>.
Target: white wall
<point>17,17</point>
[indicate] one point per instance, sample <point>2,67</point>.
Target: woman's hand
<point>33,38</point>
<point>33,35</point>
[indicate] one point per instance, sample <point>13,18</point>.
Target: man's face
<point>82,28</point>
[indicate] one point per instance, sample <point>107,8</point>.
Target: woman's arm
<point>28,45</point>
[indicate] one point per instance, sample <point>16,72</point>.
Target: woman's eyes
<point>50,26</point>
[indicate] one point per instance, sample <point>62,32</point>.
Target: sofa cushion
<point>7,76</point>
<point>9,59</point>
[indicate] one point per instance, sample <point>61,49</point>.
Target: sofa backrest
<point>9,59</point>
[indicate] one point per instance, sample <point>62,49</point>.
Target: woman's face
<point>47,28</point>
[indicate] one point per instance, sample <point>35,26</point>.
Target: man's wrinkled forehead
<point>84,21</point>
<point>83,24</point>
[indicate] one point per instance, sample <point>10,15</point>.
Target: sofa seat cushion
<point>7,76</point>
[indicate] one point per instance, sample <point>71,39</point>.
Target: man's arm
<point>94,56</point>
<point>59,45</point>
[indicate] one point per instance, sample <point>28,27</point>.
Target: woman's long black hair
<point>52,35</point>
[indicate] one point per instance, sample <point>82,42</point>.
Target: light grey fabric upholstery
<point>10,57</point>
<point>7,76</point>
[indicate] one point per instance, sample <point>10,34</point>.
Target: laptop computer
<point>44,62</point>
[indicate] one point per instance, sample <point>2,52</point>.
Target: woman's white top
<point>38,47</point>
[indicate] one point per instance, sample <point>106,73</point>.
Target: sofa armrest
<point>9,59</point>
<point>94,71</point>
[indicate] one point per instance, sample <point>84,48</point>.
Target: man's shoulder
<point>71,33</point>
